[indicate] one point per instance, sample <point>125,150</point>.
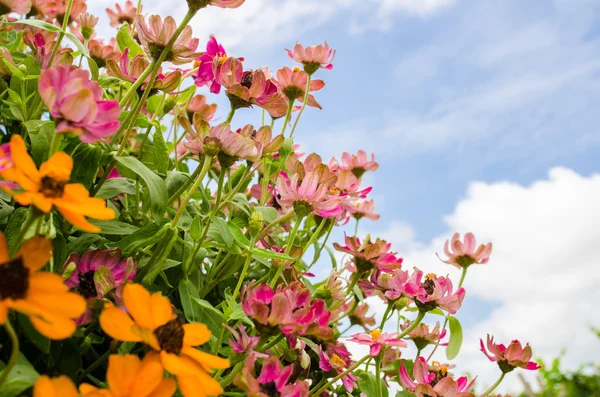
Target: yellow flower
<point>151,320</point>
<point>127,376</point>
<point>42,296</point>
<point>48,187</point>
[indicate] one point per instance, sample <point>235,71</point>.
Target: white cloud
<point>542,276</point>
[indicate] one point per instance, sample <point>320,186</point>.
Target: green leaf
<point>237,313</point>
<point>456,338</point>
<point>219,232</point>
<point>238,235</point>
<point>87,159</point>
<point>263,253</point>
<point>83,243</point>
<point>21,378</point>
<point>40,133</point>
<point>175,180</point>
<point>196,228</point>
<point>210,316</point>
<point>14,226</point>
<point>84,51</point>
<point>124,40</point>
<point>269,214</point>
<point>161,154</point>
<point>197,310</point>
<point>38,24</point>
<point>157,188</point>
<point>39,340</point>
<point>115,186</point>
<point>144,237</point>
<point>368,384</point>
<point>114,228</point>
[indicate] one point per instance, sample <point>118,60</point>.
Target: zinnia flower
<point>41,8</point>
<point>376,340</point>
<point>122,15</point>
<point>359,316</point>
<point>358,164</point>
<point>48,187</point>
<point>60,9</point>
<point>293,84</point>
<point>435,381</point>
<point>209,64</point>
<point>130,70</point>
<point>423,336</point>
<point>42,296</point>
<point>150,319</point>
<point>434,292</point>
<point>101,52</point>
<point>155,36</point>
<point>272,381</point>
<point>334,363</point>
<point>21,7</point>
<point>307,197</point>
<point>76,104</point>
<point>314,57</point>
<point>367,255</point>
<point>363,209</point>
<point>464,254</point>
<point>511,357</point>
<point>241,342</point>
<point>97,273</point>
<point>198,105</point>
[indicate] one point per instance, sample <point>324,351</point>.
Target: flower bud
<point>87,22</point>
<point>255,223</point>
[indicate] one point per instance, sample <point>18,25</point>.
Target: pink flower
<point>6,160</point>
<point>227,3</point>
<point>377,340</point>
<point>243,343</point>
<point>155,35</point>
<point>76,104</point>
<point>423,336</point>
<point>363,209</point>
<point>313,57</point>
<point>198,105</point>
<point>209,64</point>
<point>359,316</point>
<point>434,292</point>
<point>41,8</point>
<point>273,380</point>
<point>435,381</point>
<point>78,7</point>
<point>21,7</point>
<point>307,197</point>
<point>130,70</point>
<point>464,254</point>
<point>42,48</point>
<point>331,362</point>
<point>101,52</point>
<point>358,164</point>
<point>292,83</point>
<point>122,15</point>
<point>386,285</point>
<point>97,273</point>
<point>511,357</point>
<point>367,254</point>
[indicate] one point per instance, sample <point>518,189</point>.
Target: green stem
<point>414,324</point>
<point>229,378</point>
<point>55,143</point>
<point>269,345</point>
<point>378,377</point>
<point>281,219</point>
<point>13,354</point>
<point>288,249</point>
<point>462,277</point>
<point>205,167</point>
<point>184,187</point>
<point>31,218</point>
<point>318,253</point>
<point>304,103</point>
<point>230,115</point>
<point>94,365</point>
<point>312,238</point>
<point>340,376</point>
<point>240,282</point>
<point>140,80</point>
<point>61,35</point>
<point>286,121</point>
<point>387,311</point>
<point>494,386</point>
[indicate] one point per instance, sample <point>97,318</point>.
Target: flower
<point>332,289</point>
<point>155,36</point>
<point>87,22</point>
<point>422,336</point>
<point>209,64</point>
<point>334,363</point>
<point>76,104</point>
<point>377,340</point>
<point>42,46</point>
<point>434,292</point>
<point>272,381</point>
<point>130,70</point>
<point>128,376</point>
<point>60,9</point>
<point>150,319</point>
<point>42,296</point>
<point>307,197</point>
<point>367,254</point>
<point>263,139</point>
<point>21,7</point>
<point>101,52</point>
<point>243,343</point>
<point>435,381</point>
<point>358,164</point>
<point>363,209</point>
<point>122,15</point>
<point>198,105</point>
<point>97,273</point>
<point>314,57</point>
<point>227,3</point>
<point>293,84</point>
<point>48,187</point>
<point>511,357</point>
<point>6,160</point>
<point>61,386</point>
<point>359,316</point>
<point>41,8</point>
<point>464,254</point>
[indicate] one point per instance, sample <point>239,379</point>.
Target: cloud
<point>541,281</point>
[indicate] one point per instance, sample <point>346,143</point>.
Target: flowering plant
<point>150,248</point>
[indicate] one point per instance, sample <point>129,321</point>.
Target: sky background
<point>483,116</point>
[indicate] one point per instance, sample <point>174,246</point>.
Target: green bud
<point>255,222</point>
<point>401,303</point>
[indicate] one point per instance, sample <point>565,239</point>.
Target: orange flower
<point>151,320</point>
<point>42,296</point>
<point>127,376</point>
<point>48,187</point>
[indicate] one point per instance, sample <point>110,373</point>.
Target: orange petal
<point>67,304</point>
<point>58,167</point>
<point>166,388</point>
<point>3,249</point>
<point>47,282</point>
<point>190,387</point>
<point>54,387</point>
<point>51,324</point>
<point>148,378</point>
<point>23,162</point>
<point>122,372</point>
<point>138,303</point>
<point>161,310</point>
<point>36,252</point>
<point>77,220</point>
<point>207,361</point>
<point>3,313</point>
<point>195,334</point>
<point>87,390</point>
<point>177,365</point>
<point>118,325</point>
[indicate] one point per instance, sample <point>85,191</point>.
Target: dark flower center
<point>52,188</point>
<point>293,92</point>
<point>358,172</point>
<point>270,389</point>
<point>247,80</point>
<point>14,280</point>
<point>125,18</point>
<point>87,287</point>
<point>429,286</point>
<point>170,336</point>
<point>505,367</point>
<point>464,261</point>
<point>440,374</point>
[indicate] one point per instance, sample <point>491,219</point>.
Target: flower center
<point>52,188</point>
<point>270,389</point>
<point>125,18</point>
<point>464,261</point>
<point>14,280</point>
<point>170,336</point>
<point>302,208</point>
<point>87,287</point>
<point>375,334</point>
<point>247,80</point>
<point>429,284</point>
<point>337,361</point>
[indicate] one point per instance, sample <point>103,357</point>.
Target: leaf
<point>14,226</point>
<point>238,235</point>
<point>219,232</point>
<point>82,244</point>
<point>38,24</point>
<point>368,384</point>
<point>176,180</point>
<point>157,188</point>
<point>196,228</point>
<point>269,214</point>
<point>197,310</point>
<point>161,154</point>
<point>114,228</point>
<point>84,51</point>
<point>116,186</point>
<point>39,340</point>
<point>209,315</point>
<point>124,40</point>
<point>21,378</point>
<point>143,237</point>
<point>86,158</point>
<point>237,313</point>
<point>456,338</point>
<point>264,253</point>
<point>40,133</point>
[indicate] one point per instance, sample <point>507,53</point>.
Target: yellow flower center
<point>170,336</point>
<point>375,334</point>
<point>431,276</point>
<point>296,69</point>
<point>337,361</point>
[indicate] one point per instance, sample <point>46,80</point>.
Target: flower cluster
<point>171,250</point>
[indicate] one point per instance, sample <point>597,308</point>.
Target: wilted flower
<point>21,7</point>
<point>198,105</point>
<point>307,197</point>
<point>42,47</point>
<point>130,70</point>
<point>155,36</point>
<point>242,342</point>
<point>331,362</point>
<point>262,140</point>
<point>332,289</point>
<point>367,255</point>
<point>272,381</point>
<point>511,357</point>
<point>359,316</point>
<point>60,9</point>
<point>435,381</point>
<point>464,254</point>
<point>377,340</point>
<point>101,52</point>
<point>313,57</point>
<point>292,83</point>
<point>76,104</point>
<point>423,336</point>
<point>434,291</point>
<point>121,15</point>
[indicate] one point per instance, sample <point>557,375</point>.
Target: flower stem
<point>491,389</point>
<point>462,277</point>
<point>387,311</point>
<point>304,103</point>
<point>61,35</point>
<point>55,143</point>
<point>286,121</point>
<point>413,325</point>
<point>288,249</point>
<point>378,377</point>
<point>186,200</point>
<point>230,115</point>
<point>240,282</point>
<point>269,345</point>
<point>340,376</point>
<point>94,365</point>
<point>13,354</point>
<point>281,219</point>
<point>184,187</point>
<point>140,80</point>
<point>318,253</point>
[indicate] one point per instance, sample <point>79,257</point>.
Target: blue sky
<point>469,107</point>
